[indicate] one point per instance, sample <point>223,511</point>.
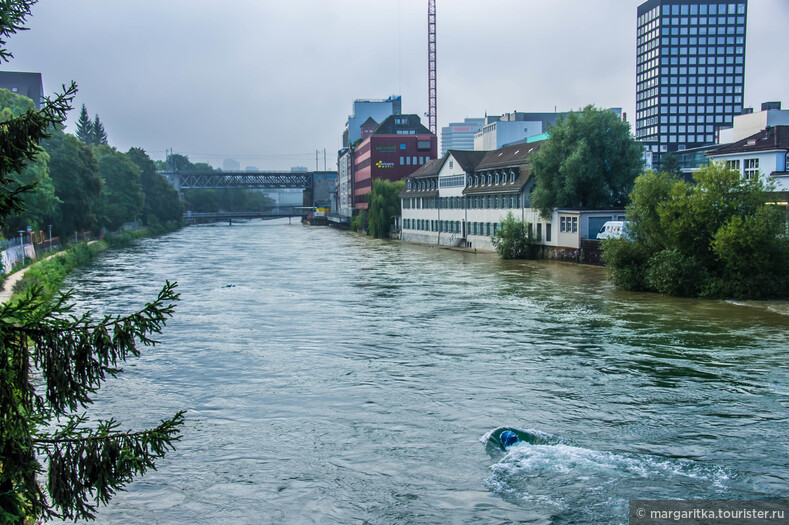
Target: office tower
<point>690,73</point>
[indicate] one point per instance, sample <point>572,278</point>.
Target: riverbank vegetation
<point>383,206</point>
<point>716,238</point>
<point>384,200</point>
<point>515,240</point>
<point>52,361</point>
<point>48,275</point>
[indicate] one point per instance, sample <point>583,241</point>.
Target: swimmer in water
<point>508,438</point>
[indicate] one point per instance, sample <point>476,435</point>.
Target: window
<point>751,169</point>
<point>548,232</point>
<point>575,224</point>
<point>563,224</point>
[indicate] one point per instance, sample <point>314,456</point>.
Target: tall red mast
<point>432,90</point>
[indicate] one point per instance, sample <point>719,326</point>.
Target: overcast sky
<point>269,82</point>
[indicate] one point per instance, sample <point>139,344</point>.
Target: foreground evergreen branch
<point>44,346</point>
<point>52,361</point>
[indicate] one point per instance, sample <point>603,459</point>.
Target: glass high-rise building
<point>690,73</point>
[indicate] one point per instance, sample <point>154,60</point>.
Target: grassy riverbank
<point>50,273</point>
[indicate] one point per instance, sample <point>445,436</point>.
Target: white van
<point>612,230</point>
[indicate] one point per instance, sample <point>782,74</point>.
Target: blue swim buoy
<point>508,438</point>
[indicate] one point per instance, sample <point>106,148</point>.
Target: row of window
<point>414,161</point>
<point>568,224</point>
<point>651,42</point>
<point>473,202</point>
<point>685,101</point>
<point>420,184</point>
<point>704,9</point>
<point>751,171</point>
<point>649,126</point>
<point>474,228</point>
<point>453,182</point>
<point>702,21</point>
<point>491,178</point>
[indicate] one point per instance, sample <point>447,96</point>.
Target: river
<point>332,378</point>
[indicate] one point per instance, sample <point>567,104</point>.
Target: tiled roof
<point>504,187</point>
<point>776,137</point>
<point>389,127</point>
<point>429,168</point>
<point>515,155</point>
<point>468,160</point>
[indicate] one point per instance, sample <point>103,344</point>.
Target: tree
<point>162,204</point>
<point>714,238</point>
<point>514,240</point>
<point>40,202</point>
<point>75,176</point>
<point>670,164</point>
<point>98,135</point>
<point>122,198</point>
<point>53,361</point>
<point>84,127</point>
<point>590,161</point>
<point>384,201</point>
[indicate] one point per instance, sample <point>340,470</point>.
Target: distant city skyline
<point>268,83</point>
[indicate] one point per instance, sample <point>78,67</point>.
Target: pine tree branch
<point>14,13</point>
<point>93,464</point>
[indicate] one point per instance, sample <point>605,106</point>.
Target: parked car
<point>612,230</point>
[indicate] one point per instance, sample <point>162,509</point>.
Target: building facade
<point>365,109</point>
<point>499,131</point>
<point>345,182</point>
<point>462,199</point>
<point>690,71</point>
<point>397,148</point>
<point>460,135</point>
<point>28,85</point>
<point>763,156</point>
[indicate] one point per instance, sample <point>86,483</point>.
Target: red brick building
<point>397,148</point>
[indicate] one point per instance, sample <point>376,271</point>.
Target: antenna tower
<point>432,90</point>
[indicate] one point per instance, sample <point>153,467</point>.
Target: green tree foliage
<point>514,240</point>
<point>384,201</point>
<point>122,198</point>
<point>589,162</point>
<point>162,204</point>
<point>84,126</point>
<point>714,238</point>
<point>75,176</point>
<point>40,202</point>
<point>53,361</point>
<point>360,222</point>
<point>670,164</point>
<point>98,135</point>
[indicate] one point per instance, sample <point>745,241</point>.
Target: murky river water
<point>331,378</point>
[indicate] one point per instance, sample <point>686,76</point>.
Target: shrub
<point>673,273</point>
<point>514,239</point>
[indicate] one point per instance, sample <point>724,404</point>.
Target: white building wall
<point>750,124</point>
<point>344,187</point>
<point>769,162</point>
<point>497,134</point>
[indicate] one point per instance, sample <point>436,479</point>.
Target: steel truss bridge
<point>273,212</point>
<point>239,179</point>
